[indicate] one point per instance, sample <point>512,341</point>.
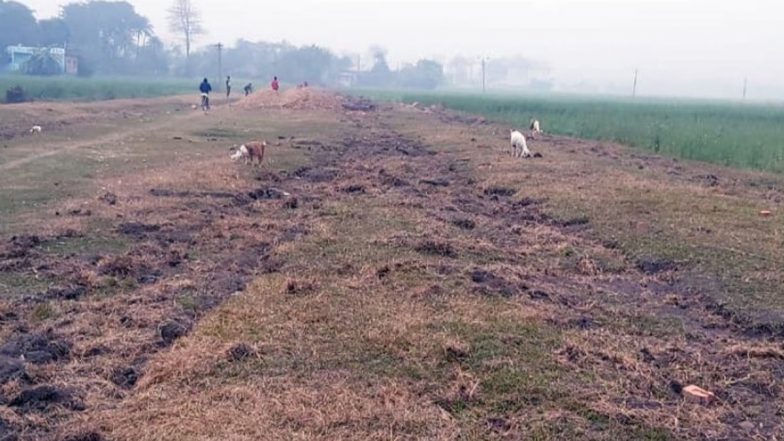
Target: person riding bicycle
<point>205,90</point>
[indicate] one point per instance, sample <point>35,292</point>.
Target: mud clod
<point>84,436</point>
<point>437,249</point>
<point>240,352</point>
<point>266,194</point>
<point>538,295</point>
<point>11,369</point>
<point>315,175</point>
<point>355,188</point>
<point>575,221</point>
<point>383,272</point>
<point>66,293</point>
<point>294,287</point>
<point>499,424</point>
<point>42,397</point>
<point>489,283</point>
<point>172,330</point>
<point>465,224</point>
<point>435,182</point>
<point>19,246</point>
<point>35,348</point>
<point>137,229</point>
<point>108,198</point>
<point>126,377</point>
<point>500,191</point>
<point>650,265</point>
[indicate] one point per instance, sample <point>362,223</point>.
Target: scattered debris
<point>267,193</point>
<point>240,352</point>
<point>109,198</point>
<point>698,394</point>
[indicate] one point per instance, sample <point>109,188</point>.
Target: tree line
<point>111,38</point>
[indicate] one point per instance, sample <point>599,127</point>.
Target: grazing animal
<point>36,129</point>
<point>249,151</point>
<point>535,128</point>
<point>519,147</point>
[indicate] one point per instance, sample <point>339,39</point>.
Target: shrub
<point>15,95</point>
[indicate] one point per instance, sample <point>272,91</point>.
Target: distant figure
<point>228,86</point>
<point>205,90</point>
<point>305,84</point>
<point>275,85</point>
<point>248,89</point>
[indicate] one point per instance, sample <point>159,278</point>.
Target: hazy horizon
<point>696,48</point>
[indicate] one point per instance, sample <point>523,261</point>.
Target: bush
<point>15,95</point>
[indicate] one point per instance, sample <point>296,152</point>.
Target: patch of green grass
<point>14,283</point>
<point>87,244</point>
<point>218,132</point>
<point>726,133</point>
<point>94,89</point>
<point>43,312</point>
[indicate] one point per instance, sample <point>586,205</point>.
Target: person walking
<point>205,90</point>
<point>275,85</point>
<point>228,87</point>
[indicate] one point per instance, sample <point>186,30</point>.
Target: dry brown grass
<point>422,288</point>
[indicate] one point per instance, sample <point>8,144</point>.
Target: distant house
<point>348,78</point>
<point>19,55</point>
<point>71,65</point>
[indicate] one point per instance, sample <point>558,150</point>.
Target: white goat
<point>535,128</point>
<point>36,129</point>
<point>519,147</point>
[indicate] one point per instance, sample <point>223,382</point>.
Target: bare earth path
<point>391,274</point>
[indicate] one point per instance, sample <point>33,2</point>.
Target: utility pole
<point>220,65</point>
<point>745,87</point>
<point>484,77</point>
<point>634,87</point>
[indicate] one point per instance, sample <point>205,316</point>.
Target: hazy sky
<point>681,47</point>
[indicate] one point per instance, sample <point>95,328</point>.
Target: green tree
<point>17,26</point>
<point>107,35</point>
<point>426,74</point>
<point>53,32</point>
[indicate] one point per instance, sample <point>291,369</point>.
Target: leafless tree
<point>185,19</point>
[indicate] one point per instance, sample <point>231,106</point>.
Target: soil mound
<point>296,99</point>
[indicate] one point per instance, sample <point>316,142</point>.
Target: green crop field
<point>92,89</point>
<point>743,135</point>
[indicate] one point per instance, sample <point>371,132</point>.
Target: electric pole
<point>745,87</point>
<point>484,77</point>
<point>220,64</point>
<point>634,87</point>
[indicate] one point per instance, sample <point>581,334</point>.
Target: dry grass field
<point>387,274</point>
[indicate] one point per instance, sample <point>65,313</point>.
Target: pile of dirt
<point>296,99</point>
